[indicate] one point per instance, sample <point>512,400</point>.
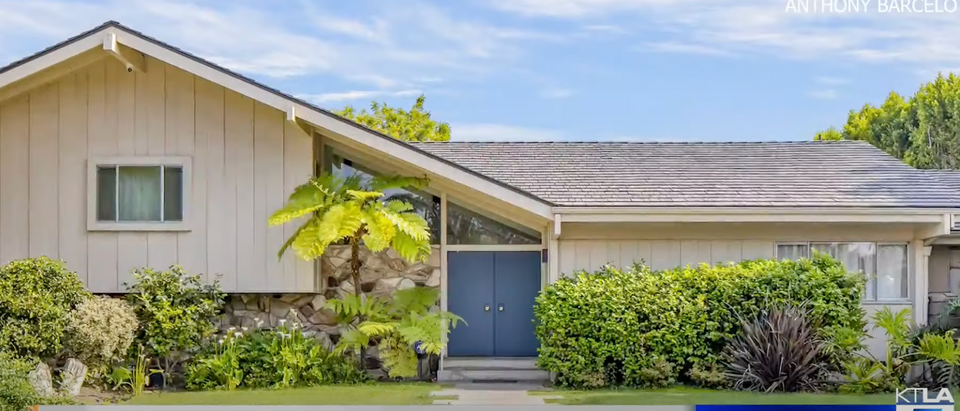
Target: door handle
<point>486,307</point>
<point>500,307</point>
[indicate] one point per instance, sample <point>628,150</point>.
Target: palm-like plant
<point>354,210</point>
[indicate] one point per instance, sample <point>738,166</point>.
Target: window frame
<point>184,163</point>
<point>877,244</point>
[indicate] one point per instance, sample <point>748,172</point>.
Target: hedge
<point>611,327</point>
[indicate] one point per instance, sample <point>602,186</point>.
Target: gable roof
<point>761,174</point>
<point>294,106</point>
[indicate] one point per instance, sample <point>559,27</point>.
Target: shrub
<point>100,332</point>
<point>277,358</point>
<point>36,296</point>
<point>776,351</point>
<point>684,316</point>
<point>16,394</point>
<point>176,313</point>
<point>708,376</point>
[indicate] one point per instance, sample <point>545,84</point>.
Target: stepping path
<point>491,394</point>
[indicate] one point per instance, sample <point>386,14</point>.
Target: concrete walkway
<point>491,394</point>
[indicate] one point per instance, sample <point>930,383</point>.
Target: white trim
<point>443,269</point>
<point>682,216</point>
<point>185,163</point>
<point>51,59</point>
<point>754,210</point>
<point>495,247</point>
<point>556,226</point>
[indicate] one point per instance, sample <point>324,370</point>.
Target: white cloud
<point>829,80</point>
<point>825,94</point>
<point>555,92</point>
<point>387,48</point>
<point>355,95</point>
<point>500,132</point>
<point>765,27</point>
<point>605,28</point>
<point>685,48</point>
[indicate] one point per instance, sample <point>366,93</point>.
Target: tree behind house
<point>412,125</point>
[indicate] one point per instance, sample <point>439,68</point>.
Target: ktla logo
<point>919,399</point>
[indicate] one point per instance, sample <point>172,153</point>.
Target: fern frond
<point>398,206</point>
<point>374,329</point>
<point>380,231</point>
<point>383,183</point>
<point>307,198</point>
<point>290,240</point>
<point>410,249</point>
<point>307,243</point>
<point>364,196</point>
<point>414,300</point>
<point>412,224</point>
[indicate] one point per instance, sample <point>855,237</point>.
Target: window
<point>138,193</point>
<point>470,226</point>
<point>885,265</point>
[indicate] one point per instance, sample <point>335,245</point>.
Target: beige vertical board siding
<point>568,257</point>
<point>226,201</point>
<point>73,171</point>
<point>102,141</point>
<point>240,118</point>
<point>264,135</point>
<point>613,252</point>
<point>598,254</point>
<point>14,184</point>
<point>693,253</point>
<point>44,171</point>
<point>629,253</point>
<point>664,254</point>
<point>131,128</point>
<point>161,246</point>
<point>210,123</point>
<point>757,249</point>
<point>191,245</point>
<point>269,126</point>
<point>726,251</point>
<point>297,168</point>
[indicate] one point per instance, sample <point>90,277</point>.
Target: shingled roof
<point>789,174</point>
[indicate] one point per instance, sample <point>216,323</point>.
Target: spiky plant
<point>354,210</point>
<point>776,351</point>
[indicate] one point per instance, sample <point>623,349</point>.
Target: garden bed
<point>364,394</point>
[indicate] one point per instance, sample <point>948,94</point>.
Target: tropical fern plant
<point>399,325</point>
<point>354,210</point>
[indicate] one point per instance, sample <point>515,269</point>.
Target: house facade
<point>118,151</point>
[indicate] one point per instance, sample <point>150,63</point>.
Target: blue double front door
<point>494,292</point>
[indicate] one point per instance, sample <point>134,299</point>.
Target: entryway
<point>494,292</point>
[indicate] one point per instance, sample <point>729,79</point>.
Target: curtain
<point>139,193</point>
<point>855,257</point>
<point>892,272</point>
<point>792,251</point>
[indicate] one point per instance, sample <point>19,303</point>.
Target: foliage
<point>137,378</point>
<point>263,358</point>
<point>15,390</point>
<point>353,209</point>
<point>36,297</point>
<point>923,130</point>
<point>708,376</point>
<point>100,332</point>
<point>685,315</point>
<point>413,125</point>
<point>830,134</point>
<point>176,313</point>
<point>778,350</point>
<point>400,323</point>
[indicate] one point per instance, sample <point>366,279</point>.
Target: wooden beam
<point>51,74</point>
<point>292,117</point>
<point>130,58</point>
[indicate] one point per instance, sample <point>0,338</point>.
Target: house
<point>120,151</point>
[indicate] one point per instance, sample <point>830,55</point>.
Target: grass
<point>367,394</point>
<point>691,396</point>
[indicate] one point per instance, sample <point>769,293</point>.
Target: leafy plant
<point>16,394</point>
<point>353,210</point>
<point>136,379</point>
<point>100,332</point>
<point>412,125</point>
<point>36,297</point>
<point>399,324</point>
<point>687,315</point>
<point>944,352</point>
<point>263,358</point>
<point>708,376</point>
<point>176,313</point>
<point>866,374</point>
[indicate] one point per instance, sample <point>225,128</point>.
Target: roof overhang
<point>113,39</point>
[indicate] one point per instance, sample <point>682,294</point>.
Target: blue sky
<point>651,70</point>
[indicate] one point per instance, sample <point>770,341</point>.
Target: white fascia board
<point>339,127</point>
<point>51,59</point>
<point>769,216</point>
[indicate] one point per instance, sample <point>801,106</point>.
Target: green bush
<point>16,394</point>
<point>36,296</point>
<point>176,312</point>
<point>100,332</point>
<point>684,316</point>
<point>279,358</point>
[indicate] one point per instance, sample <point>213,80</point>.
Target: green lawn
<point>371,394</point>
<point>690,396</point>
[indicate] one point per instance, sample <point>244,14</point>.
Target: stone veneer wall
<point>380,274</point>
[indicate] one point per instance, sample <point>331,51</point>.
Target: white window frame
<point>184,163</point>
<point>877,245</point>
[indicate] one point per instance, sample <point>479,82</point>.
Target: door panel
<point>469,292</point>
<point>516,285</point>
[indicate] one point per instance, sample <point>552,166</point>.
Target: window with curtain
<point>139,193</point>
<point>884,265</point>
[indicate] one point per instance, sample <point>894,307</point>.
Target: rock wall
<point>380,274</point>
